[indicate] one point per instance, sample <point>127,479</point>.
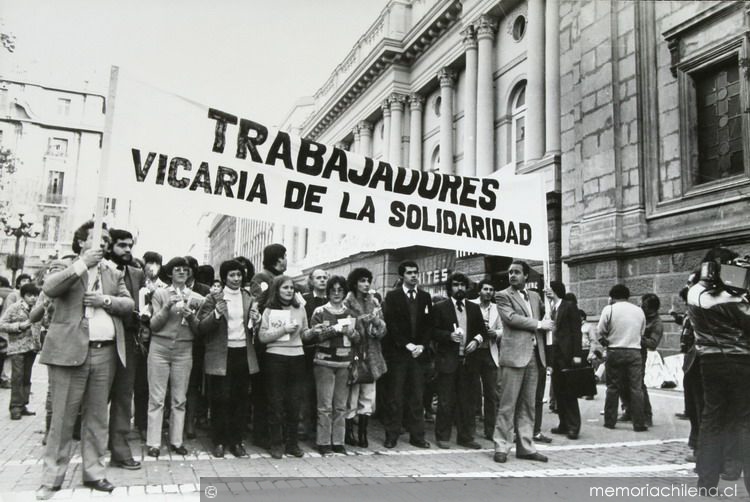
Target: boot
<point>362,431</point>
<point>349,433</point>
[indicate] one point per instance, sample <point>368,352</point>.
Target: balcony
<point>54,199</point>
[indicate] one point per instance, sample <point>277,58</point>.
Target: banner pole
<point>106,145</point>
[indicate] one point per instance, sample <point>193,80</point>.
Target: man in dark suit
<point>84,339</point>
<point>459,331</point>
<point>521,356</point>
<point>121,395</point>
<point>408,317</point>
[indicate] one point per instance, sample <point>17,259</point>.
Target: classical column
<point>485,157</point>
<point>552,72</point>
<point>356,147</point>
<point>386,106</point>
<point>365,138</point>
<point>416,103</point>
<point>470,103</point>
<point>447,78</point>
<point>397,113</point>
<point>534,149</point>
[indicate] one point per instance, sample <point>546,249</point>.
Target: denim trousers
<point>169,363</point>
<point>624,374</point>
<point>333,394</point>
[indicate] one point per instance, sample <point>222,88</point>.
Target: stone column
<point>552,72</point>
<point>386,106</point>
<point>470,103</point>
<point>416,104</point>
<point>534,149</point>
<point>397,112</point>
<point>485,157</point>
<point>365,138</point>
<point>356,148</point>
<point>447,78</point>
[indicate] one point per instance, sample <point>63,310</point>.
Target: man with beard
<point>459,331</point>
<point>121,395</point>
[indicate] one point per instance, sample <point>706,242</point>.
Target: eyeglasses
<point>180,269</point>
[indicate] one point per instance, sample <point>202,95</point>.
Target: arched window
<point>518,124</point>
<point>435,159</point>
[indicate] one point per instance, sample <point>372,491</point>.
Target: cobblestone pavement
<point>599,452</point>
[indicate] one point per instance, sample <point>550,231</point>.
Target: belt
<point>101,343</point>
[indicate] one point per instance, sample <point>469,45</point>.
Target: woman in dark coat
<point>567,354</point>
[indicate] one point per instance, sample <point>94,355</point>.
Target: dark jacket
<point>567,334</point>
<point>721,322</point>
<point>259,286</point>
<point>446,350</point>
<point>396,315</point>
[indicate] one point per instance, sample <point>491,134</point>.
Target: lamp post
<point>22,225</point>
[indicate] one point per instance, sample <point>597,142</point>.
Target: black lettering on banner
<point>489,201</point>
<point>222,119</point>
<point>175,164</point>
<point>397,214</point>
<point>258,190</point>
<point>525,230</point>
<point>477,226</point>
<point>400,186</point>
<point>242,186</point>
<point>449,222</point>
<point>413,217</point>
<point>312,200</point>
<point>367,212</point>
<point>299,195</point>
<point>161,172</point>
<point>246,142</point>
<point>498,230</point>
<point>426,220</point>
<point>281,148</point>
<point>363,178</point>
<point>451,184</point>
<point>512,235</point>
<point>225,179</point>
<point>463,226</point>
<point>431,191</point>
<point>202,179</point>
<point>141,171</point>
<point>337,162</point>
<point>384,173</point>
<point>310,150</point>
<point>468,189</point>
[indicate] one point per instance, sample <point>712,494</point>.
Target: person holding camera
<point>720,316</point>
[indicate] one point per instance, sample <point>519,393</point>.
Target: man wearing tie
<point>408,317</point>
<point>521,355</point>
<point>84,340</point>
<point>459,332</point>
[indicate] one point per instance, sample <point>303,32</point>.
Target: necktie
<point>524,294</point>
<point>411,295</point>
<point>460,305</point>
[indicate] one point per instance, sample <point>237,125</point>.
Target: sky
<point>261,54</point>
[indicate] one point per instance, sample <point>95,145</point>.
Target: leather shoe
<point>541,438</point>
<point>129,464</point>
<point>500,457</point>
<point>608,426</point>
<point>238,450</point>
<point>27,413</point>
<point>472,445</point>
<point>46,492</point>
<point>180,450</point>
<point>572,435</point>
<point>558,430</point>
<point>339,448</point>
<point>294,451</point>
<point>218,451</point>
<point>419,443</point>
<point>152,452</point>
<point>390,442</point>
<point>640,428</point>
<point>533,456</point>
<point>100,485</point>
<point>15,415</point>
<point>443,445</point>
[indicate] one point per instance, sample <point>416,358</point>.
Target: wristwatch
<point>107,301</point>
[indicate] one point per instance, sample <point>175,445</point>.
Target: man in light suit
<point>459,332</point>
<point>121,395</point>
<point>521,355</point>
<point>488,354</point>
<point>84,339</point>
<point>408,317</point>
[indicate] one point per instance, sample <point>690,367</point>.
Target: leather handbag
<point>359,369</point>
<point>579,381</point>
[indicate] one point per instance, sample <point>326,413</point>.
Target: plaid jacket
<point>19,341</point>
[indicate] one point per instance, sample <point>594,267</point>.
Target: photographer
<point>720,316</point>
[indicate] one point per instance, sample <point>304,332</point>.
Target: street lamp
<point>22,225</point>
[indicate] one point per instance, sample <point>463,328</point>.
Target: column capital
<point>446,77</point>
<point>355,132</point>
<point>364,127</point>
<point>469,37</point>
<point>341,145</point>
<point>416,101</point>
<point>486,27</point>
<point>397,100</point>
<point>386,106</point>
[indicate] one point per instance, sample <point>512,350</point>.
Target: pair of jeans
<point>170,362</point>
<point>228,395</point>
<point>726,397</point>
<point>333,394</point>
<point>284,377</point>
<point>624,374</point>
<point>20,379</point>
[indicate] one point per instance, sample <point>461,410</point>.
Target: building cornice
<point>387,53</point>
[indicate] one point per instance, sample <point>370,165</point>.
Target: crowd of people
<point>129,340</point>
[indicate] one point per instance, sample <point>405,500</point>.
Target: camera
<point>734,277</point>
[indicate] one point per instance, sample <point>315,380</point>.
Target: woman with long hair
<point>281,328</point>
<point>363,303</point>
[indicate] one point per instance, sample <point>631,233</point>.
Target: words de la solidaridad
<point>316,160</point>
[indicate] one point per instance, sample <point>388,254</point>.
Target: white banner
<point>186,154</point>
